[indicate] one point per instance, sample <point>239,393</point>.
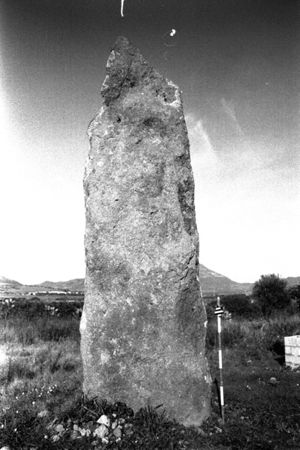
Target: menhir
<point>143,324</point>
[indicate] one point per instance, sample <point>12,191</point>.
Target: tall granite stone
<point>143,323</point>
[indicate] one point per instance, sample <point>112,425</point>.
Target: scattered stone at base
<point>117,432</point>
<point>101,431</point>
<point>104,420</point>
<point>43,413</point>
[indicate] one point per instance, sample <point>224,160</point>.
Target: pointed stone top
<point>122,44</point>
<point>126,68</point>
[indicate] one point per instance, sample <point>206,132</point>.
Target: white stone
<point>59,428</point>
<point>43,413</point>
<point>104,420</point>
<point>117,432</point>
<point>101,431</point>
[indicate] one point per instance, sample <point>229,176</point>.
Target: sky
<point>237,65</point>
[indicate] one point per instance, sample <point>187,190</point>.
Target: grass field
<point>42,406</point>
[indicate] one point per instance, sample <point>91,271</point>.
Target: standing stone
<point>143,324</point>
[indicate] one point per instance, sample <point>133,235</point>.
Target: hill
<point>212,283</point>
<point>10,283</point>
<point>215,283</point>
<point>72,285</point>
<point>12,288</point>
<point>293,281</point>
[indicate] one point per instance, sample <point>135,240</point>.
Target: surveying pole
<point>219,312</point>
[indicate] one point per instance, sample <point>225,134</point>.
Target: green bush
<point>270,292</point>
<point>65,309</point>
<point>294,294</point>
<point>276,329</point>
<point>29,309</point>
<point>22,308</point>
<point>257,336</point>
<point>239,305</point>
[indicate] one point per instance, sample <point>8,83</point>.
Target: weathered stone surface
<point>143,324</point>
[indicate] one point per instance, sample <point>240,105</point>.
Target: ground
<point>42,406</point>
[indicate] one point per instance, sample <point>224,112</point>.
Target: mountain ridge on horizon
<point>212,283</point>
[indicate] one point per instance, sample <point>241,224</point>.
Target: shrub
<point>29,309</point>
<point>256,337</point>
<point>270,291</point>
<point>275,330</point>
<point>65,309</point>
<point>22,308</point>
<point>239,305</point>
<point>294,294</point>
